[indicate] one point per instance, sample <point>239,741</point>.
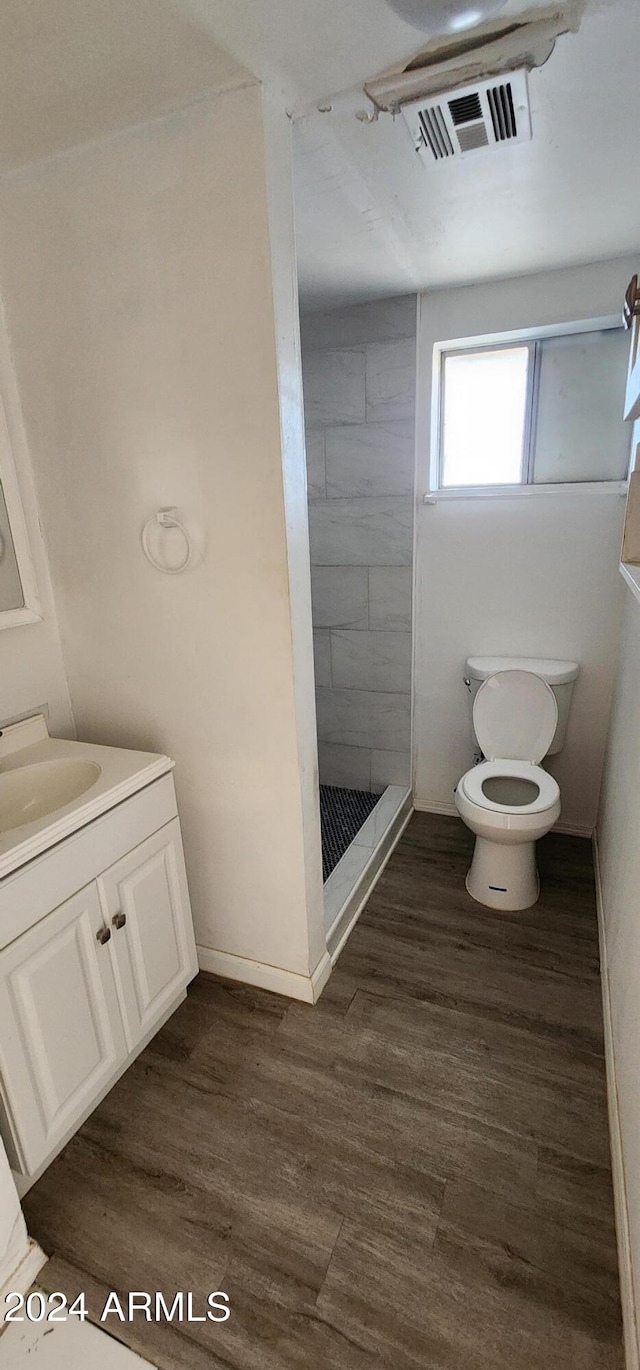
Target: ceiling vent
<point>485,114</point>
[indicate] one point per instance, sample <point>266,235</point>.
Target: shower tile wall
<point>359,390</point>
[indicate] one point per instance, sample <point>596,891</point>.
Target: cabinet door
<point>146,903</point>
<point>61,1036</point>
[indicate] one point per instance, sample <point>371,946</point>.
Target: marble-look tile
<point>340,596</point>
<point>334,386</point>
<point>343,881</point>
<point>362,660</point>
<point>391,380</point>
<point>322,655</point>
<point>346,766</point>
<point>378,321</point>
<point>377,824</point>
<point>370,459</point>
<point>390,768</point>
<point>316,480</point>
<point>390,598</point>
<point>361,532</point>
<point>362,718</point>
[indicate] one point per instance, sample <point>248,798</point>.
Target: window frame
<point>530,338</point>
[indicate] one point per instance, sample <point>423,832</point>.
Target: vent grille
<point>474,136</point>
<point>485,115</point>
<point>465,108</point>
<point>503,115</point>
<point>436,133</point>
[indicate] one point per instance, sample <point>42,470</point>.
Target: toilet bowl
<point>508,800</point>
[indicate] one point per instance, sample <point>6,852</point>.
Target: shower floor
<point>342,813</point>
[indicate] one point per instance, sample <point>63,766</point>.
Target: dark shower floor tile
<point>342,813</point>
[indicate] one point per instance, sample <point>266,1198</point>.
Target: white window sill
<point>595,487</point>
<point>631,574</point>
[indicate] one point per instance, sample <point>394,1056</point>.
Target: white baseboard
<point>434,806</point>
<point>307,988</point>
<point>321,975</point>
<point>629,1314</point>
<point>573,830</point>
<point>24,1275</point>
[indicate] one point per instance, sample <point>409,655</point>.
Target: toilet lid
<point>515,716</point>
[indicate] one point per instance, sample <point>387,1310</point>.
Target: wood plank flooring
<point>414,1173</point>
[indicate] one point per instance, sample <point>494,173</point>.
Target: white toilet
<point>520,714</point>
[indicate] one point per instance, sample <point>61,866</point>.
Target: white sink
<point>51,787</point>
<point>33,791</point>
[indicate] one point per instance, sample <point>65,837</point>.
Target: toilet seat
<point>515,715</point>
<point>472,782</point>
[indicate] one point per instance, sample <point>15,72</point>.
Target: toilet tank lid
<point>553,672</point>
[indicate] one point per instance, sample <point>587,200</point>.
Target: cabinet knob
<point>103,935</point>
<point>119,920</point>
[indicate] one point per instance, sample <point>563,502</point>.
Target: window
<point>546,411</point>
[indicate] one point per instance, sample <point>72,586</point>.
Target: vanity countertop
<point>119,773</point>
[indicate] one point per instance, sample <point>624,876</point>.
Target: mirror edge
<point>31,610</point>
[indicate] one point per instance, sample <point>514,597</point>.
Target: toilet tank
<point>559,675</point>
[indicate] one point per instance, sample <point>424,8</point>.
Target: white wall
<point>534,575</point>
<point>619,862</point>
<point>139,278</point>
<point>32,672</point>
<point>618,868</point>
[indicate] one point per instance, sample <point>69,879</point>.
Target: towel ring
<point>167,518</point>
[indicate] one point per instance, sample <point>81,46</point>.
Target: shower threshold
<point>355,873</point>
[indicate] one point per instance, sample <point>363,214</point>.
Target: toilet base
<point>504,876</point>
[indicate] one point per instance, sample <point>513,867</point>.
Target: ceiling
<point>73,70</point>
<point>372,220</point>
<point>305,50</point>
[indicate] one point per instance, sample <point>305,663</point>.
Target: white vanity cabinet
<point>60,1026</point>
<point>146,904</point>
<point>86,985</point>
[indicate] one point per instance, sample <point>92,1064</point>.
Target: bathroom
<point>359,374</point>
<point>256,1036</point>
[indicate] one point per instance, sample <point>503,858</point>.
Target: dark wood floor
<point>413,1174</point>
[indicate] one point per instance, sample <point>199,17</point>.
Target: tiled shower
<point>359,389</point>
<point>359,386</point>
